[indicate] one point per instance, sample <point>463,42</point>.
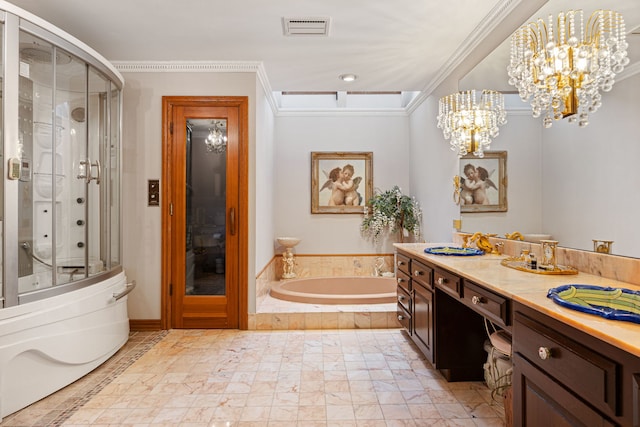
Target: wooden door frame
<point>166,199</point>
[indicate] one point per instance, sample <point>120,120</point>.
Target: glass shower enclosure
<point>63,291</point>
<point>61,211</point>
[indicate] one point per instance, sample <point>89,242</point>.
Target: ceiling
<point>400,45</point>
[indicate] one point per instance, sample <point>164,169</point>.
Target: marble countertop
<point>531,289</point>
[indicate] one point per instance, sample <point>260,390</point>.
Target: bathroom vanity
<point>570,368</point>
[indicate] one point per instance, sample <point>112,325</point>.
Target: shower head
<point>43,55</point>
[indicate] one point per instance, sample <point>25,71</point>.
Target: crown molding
<point>202,67</point>
<point>486,26</point>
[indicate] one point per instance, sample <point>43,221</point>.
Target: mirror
<point>577,184</point>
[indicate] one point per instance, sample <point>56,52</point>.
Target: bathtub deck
<point>274,313</point>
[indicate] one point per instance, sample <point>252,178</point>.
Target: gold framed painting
<point>483,182</point>
<point>341,182</point>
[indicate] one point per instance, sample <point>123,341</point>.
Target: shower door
<point>204,217</point>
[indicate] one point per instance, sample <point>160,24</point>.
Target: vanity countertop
<point>531,289</point>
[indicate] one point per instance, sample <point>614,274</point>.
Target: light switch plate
<point>153,192</point>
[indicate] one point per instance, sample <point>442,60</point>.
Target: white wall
<point>142,160</point>
<point>591,180</point>
<point>262,161</point>
<point>432,165</point>
<point>297,135</point>
<point>521,138</point>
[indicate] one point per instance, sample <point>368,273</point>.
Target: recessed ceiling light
<point>347,77</point>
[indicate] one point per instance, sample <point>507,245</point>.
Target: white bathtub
<point>47,344</point>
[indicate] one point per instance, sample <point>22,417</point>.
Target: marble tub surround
<point>531,290</point>
<point>274,314</point>
<point>624,269</point>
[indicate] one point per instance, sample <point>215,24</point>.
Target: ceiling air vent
<point>305,26</point>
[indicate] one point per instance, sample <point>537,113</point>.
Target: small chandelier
<point>216,141</point>
<point>470,119</point>
<point>564,68</point>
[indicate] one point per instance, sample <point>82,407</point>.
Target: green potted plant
<point>391,212</point>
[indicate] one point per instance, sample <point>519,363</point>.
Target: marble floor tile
<point>270,378</point>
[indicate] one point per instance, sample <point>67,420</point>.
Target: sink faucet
<point>483,243</point>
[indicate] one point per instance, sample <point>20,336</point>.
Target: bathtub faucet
<point>378,267</point>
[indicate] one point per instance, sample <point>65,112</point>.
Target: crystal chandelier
<point>470,119</point>
<point>564,68</point>
<point>216,141</point>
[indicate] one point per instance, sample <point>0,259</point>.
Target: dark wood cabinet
<point>423,320</point>
<point>540,401</point>
<point>415,302</point>
<point>563,376</point>
<point>449,334</point>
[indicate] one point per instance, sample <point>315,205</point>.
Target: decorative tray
<point>610,303</point>
<point>519,264</point>
<point>453,251</point>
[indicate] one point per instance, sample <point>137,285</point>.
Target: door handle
<point>232,221</point>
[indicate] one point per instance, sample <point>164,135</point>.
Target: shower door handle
<point>85,171</point>
<point>98,172</point>
<point>232,221</point>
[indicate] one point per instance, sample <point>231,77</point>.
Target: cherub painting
<point>483,183</point>
<point>341,182</point>
<point>476,185</point>
<point>343,186</point>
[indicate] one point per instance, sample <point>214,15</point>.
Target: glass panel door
<point>70,148</point>
<point>97,149</point>
<point>2,170</point>
<point>114,174</point>
<point>40,182</point>
<point>206,206</point>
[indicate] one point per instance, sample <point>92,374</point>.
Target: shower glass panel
<point>40,183</point>
<point>96,181</point>
<point>70,138</point>
<point>114,174</point>
<point>206,207</point>
<point>2,161</point>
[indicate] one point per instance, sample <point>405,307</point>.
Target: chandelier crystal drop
<point>562,68</point>
<point>216,141</point>
<point>470,119</point>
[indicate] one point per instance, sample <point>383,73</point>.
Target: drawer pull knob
<point>417,272</point>
<point>544,353</point>
<point>400,317</point>
<point>441,281</point>
<point>400,279</point>
<point>400,297</point>
<point>400,263</point>
<point>476,300</point>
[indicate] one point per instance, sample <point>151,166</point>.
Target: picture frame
<point>334,193</point>
<point>483,182</point>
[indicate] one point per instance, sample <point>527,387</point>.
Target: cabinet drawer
<point>404,318</point>
<point>580,369</point>
<point>402,263</point>
<point>422,273</point>
<point>492,306</point>
<point>403,280</point>
<point>404,298</point>
<point>447,282</point>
